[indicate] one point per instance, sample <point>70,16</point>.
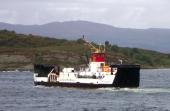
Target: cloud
<point>120,13</point>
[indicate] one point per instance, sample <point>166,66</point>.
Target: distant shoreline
<point>19,51</point>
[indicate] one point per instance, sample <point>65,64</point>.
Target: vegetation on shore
<point>19,51</point>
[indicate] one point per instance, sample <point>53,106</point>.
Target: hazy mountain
<point>154,38</point>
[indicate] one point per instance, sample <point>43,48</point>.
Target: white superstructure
<point>97,72</point>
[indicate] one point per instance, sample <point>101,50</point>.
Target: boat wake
<point>42,87</point>
<point>133,90</point>
<point>138,90</point>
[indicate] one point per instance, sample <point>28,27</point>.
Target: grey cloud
<point>121,13</point>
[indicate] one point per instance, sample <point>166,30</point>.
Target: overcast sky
<point>119,13</point>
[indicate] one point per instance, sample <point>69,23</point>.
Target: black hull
<point>76,85</point>
<point>127,76</point>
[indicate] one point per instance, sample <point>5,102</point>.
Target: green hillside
<point>19,51</point>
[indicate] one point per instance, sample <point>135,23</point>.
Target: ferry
<point>96,75</point>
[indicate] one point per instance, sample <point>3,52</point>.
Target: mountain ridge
<point>152,38</point>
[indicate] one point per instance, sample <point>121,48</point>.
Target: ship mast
<point>98,54</point>
<point>96,50</point>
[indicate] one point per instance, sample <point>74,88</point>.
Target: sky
<point>118,13</point>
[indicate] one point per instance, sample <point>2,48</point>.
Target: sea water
<point>18,93</point>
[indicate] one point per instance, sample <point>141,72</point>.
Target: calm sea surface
<point>18,93</point>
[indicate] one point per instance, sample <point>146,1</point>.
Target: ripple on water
<point>18,93</point>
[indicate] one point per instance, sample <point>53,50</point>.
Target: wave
<point>138,90</point>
